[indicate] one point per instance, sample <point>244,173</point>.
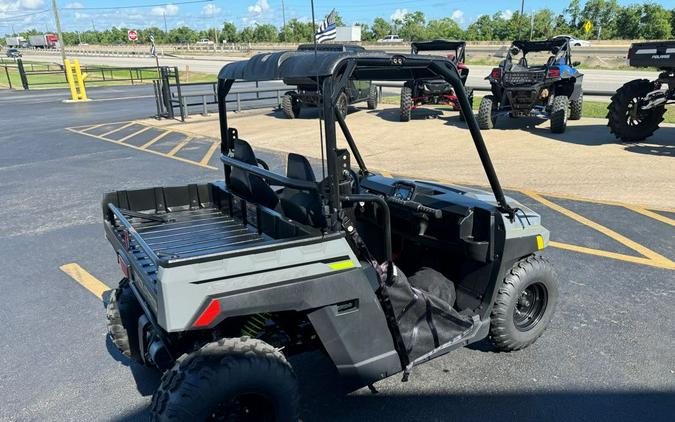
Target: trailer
<point>44,41</point>
<point>15,42</point>
<point>348,33</point>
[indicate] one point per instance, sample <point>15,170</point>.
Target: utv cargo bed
<point>171,226</point>
<point>659,54</point>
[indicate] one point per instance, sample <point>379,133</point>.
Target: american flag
<point>327,30</point>
<point>153,49</point>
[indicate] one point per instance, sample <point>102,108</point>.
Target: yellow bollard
<point>69,78</point>
<point>80,81</point>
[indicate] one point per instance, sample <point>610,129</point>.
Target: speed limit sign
<point>132,35</point>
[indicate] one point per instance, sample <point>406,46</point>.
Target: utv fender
<point>578,88</point>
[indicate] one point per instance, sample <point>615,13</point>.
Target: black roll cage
<point>526,47</point>
<point>364,67</point>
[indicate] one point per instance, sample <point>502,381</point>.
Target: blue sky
<point>80,15</point>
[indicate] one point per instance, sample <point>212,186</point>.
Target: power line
<point>142,6</point>
<point>14,17</point>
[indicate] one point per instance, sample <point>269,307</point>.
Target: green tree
<point>183,34</point>
<point>672,23</point>
<point>655,22</point>
<point>412,26</point>
<point>366,33</point>
<point>443,28</point>
<point>381,28</point>
<point>544,24</point>
<point>602,14</point>
<point>481,29</point>
<point>628,22</point>
<point>229,32</point>
<point>246,35</point>
<point>573,10</point>
<point>265,33</point>
<point>296,31</point>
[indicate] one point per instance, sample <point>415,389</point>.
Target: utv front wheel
<point>290,104</point>
<point>524,305</point>
<point>342,105</point>
<point>406,103</point>
<point>231,380</point>
<point>122,312</point>
<point>559,114</point>
<point>487,119</point>
<point>577,107</point>
<point>373,97</point>
<point>626,118</point>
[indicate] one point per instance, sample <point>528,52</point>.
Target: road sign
<point>132,35</point>
<point>588,26</point>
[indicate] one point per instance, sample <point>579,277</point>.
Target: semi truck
<point>44,41</point>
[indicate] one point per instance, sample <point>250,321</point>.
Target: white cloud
<point>30,4</point>
<point>457,16</point>
<point>74,5</point>
<point>211,10</point>
<point>259,7</point>
<point>398,15</point>
<point>506,14</point>
<point>168,10</point>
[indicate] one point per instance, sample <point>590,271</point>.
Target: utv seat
<point>249,186</point>
<point>299,205</point>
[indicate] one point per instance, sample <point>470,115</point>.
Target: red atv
<point>419,92</point>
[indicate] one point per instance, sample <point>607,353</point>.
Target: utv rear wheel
<point>524,305</point>
<point>626,120</point>
<point>577,107</point>
<point>559,114</point>
<point>406,103</point>
<point>487,119</point>
<point>290,104</point>
<point>469,94</point>
<point>230,380</point>
<point>122,312</point>
<point>373,97</point>
<point>342,104</point>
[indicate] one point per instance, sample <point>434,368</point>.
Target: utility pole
<point>520,18</point>
<point>166,30</point>
<point>283,12</point>
<point>58,31</point>
<point>532,25</point>
<point>13,31</point>
<point>93,26</point>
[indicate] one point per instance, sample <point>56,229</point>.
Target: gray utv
<point>224,281</point>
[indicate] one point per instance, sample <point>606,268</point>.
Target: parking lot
<point>606,356</point>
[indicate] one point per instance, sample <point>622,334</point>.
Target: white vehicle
<point>574,41</point>
<point>204,41</point>
<point>391,38</point>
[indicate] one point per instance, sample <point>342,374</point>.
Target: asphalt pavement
<point>606,356</point>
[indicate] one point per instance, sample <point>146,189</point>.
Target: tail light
<point>209,314</point>
<point>554,72</point>
<point>496,73</point>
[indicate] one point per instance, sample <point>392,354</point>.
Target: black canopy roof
<point>436,45</point>
<point>289,65</point>
<point>528,46</point>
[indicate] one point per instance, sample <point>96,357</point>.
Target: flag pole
<point>320,94</point>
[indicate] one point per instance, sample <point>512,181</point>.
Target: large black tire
<point>577,107</point>
<point>122,312</point>
<point>630,125</point>
<point>236,379</point>
<point>559,114</point>
<point>486,116</point>
<point>469,94</point>
<point>290,104</point>
<point>342,104</point>
<point>406,104</point>
<point>373,97</point>
<point>525,304</point>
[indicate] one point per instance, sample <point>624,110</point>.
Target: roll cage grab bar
<point>334,84</point>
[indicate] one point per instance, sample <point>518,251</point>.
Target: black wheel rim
<point>530,306</point>
<point>342,106</point>
<point>634,115</point>
<point>244,408</point>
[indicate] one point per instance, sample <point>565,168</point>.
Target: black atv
<point>307,94</point>
<point>638,107</point>
<point>419,92</point>
<point>550,89</point>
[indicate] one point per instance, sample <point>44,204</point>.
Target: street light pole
<point>58,31</point>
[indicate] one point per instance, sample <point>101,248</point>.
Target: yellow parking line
<point>161,154</point>
<point>86,280</point>
<point>155,139</point>
<point>209,153</point>
<point>650,214</point>
<point>178,147</point>
<point>612,255</point>
<point>116,130</point>
<point>133,134</point>
<point>656,257</point>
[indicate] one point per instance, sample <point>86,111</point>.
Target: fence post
<point>22,74</point>
<point>204,111</point>
<point>238,102</point>
<point>9,80</point>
